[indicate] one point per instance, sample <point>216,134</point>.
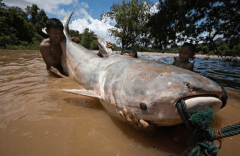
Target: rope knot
<point>208,148</point>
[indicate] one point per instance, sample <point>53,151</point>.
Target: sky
<point>86,15</point>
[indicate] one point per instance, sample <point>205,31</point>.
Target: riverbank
<point>158,54</point>
<point>175,55</point>
<point>197,55</point>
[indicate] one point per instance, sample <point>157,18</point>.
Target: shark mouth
<point>195,104</point>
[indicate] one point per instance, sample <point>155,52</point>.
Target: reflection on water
<point>224,72</point>
<point>37,119</point>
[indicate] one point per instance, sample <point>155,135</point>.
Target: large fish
<point>138,91</point>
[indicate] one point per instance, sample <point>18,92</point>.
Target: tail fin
<point>65,23</point>
<point>105,47</point>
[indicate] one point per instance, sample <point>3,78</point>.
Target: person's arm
<point>44,48</point>
<point>191,66</point>
<point>175,62</point>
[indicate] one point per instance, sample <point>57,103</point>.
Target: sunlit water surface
<point>36,119</point>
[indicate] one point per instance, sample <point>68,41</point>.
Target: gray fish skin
<point>124,82</point>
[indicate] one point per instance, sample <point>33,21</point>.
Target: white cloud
<point>81,18</point>
<point>50,6</point>
<point>154,8</point>
<point>62,13</point>
<point>99,27</point>
<point>84,5</point>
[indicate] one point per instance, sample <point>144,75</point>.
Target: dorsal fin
<point>105,47</point>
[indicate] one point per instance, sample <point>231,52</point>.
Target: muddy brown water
<point>36,119</point>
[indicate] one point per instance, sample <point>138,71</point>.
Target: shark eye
<point>143,106</point>
<point>187,84</point>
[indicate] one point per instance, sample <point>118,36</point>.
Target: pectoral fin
<point>89,93</point>
<point>56,72</point>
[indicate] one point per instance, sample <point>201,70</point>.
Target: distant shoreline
<point>175,54</point>
<point>159,54</point>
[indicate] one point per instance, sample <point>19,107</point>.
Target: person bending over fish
<point>187,51</point>
<point>50,48</point>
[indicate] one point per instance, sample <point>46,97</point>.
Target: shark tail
<point>65,23</point>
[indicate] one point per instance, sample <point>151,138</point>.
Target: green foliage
<point>116,48</point>
<point>94,45</point>
<point>38,17</point>
<point>21,30</point>
<point>75,33</point>
<point>197,21</point>
<point>24,45</point>
<point>135,27</point>
<point>207,49</point>
<point>223,47</point>
<point>174,50</point>
<point>89,40</point>
<point>37,39</point>
<point>16,29</point>
<point>131,18</point>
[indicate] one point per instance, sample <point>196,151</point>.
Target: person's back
<point>129,52</point>
<point>50,48</point>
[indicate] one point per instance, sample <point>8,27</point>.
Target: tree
<point>23,26</point>
<point>14,26</point>
<point>17,29</point>
<point>42,18</point>
<point>131,18</point>
<point>33,13</point>
<point>4,36</point>
<point>37,16</point>
<point>88,39</point>
<point>94,45</point>
<point>197,21</point>
<point>75,33</point>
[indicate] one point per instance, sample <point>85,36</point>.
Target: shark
<point>140,92</point>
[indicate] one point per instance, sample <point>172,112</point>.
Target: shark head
<point>156,102</point>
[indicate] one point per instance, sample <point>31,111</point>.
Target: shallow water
<point>37,119</point>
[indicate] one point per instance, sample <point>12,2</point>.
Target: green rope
<point>182,109</point>
<point>231,130</point>
<point>202,136</point>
